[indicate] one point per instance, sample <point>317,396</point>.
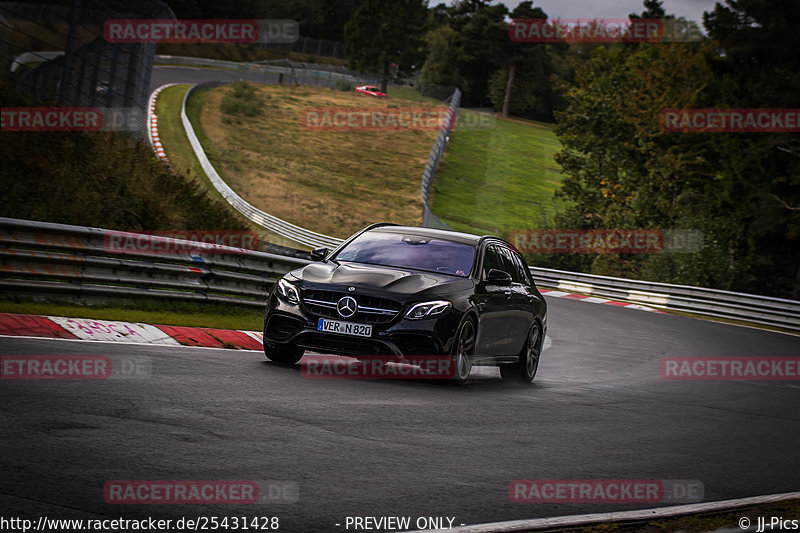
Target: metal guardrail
<point>752,308</point>
<point>262,218</point>
<point>309,45</point>
<point>82,262</point>
<point>429,220</point>
<point>46,258</point>
<point>289,71</point>
<point>29,58</point>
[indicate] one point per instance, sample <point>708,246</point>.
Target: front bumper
<point>288,324</point>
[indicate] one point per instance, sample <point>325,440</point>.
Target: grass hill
<point>500,179</point>
<point>335,182</point>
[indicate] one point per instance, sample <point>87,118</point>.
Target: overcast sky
<point>690,9</point>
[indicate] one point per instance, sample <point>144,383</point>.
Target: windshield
<point>410,251</point>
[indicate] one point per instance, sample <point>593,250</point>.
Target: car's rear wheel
<point>464,351</point>
<point>525,369</point>
<point>283,355</point>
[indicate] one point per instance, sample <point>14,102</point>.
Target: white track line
<point>622,516</point>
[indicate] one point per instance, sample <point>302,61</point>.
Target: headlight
<point>288,291</point>
<point>428,309</point>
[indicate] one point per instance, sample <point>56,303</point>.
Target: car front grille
<point>371,310</point>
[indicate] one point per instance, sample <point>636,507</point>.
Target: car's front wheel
<point>464,351</point>
<point>525,369</point>
<point>283,355</point>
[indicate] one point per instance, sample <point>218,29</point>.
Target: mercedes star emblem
<point>347,306</point>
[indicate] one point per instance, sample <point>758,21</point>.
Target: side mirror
<point>498,277</point>
<point>318,254</point>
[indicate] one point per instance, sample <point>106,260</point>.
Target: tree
<point>445,58</point>
<point>523,84</point>
<point>653,9</point>
<point>484,34</point>
<point>383,32</point>
<point>622,170</point>
<point>757,65</point>
<point>739,189</point>
<point>518,54</point>
<point>335,16</point>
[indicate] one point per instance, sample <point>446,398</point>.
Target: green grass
<point>149,312</point>
<point>182,158</point>
<point>403,92</point>
<point>170,131</point>
<point>497,180</point>
<point>333,182</point>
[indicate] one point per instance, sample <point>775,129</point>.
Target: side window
<point>491,259</point>
<point>524,273</point>
<point>509,265</point>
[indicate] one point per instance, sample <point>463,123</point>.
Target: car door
<point>532,303</point>
<point>516,314</point>
<point>492,304</point>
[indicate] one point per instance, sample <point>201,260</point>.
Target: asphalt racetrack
<point>598,409</point>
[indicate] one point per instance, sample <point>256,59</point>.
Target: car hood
<point>392,280</point>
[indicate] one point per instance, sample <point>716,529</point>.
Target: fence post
<point>430,220</point>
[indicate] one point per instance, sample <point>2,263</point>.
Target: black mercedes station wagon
<point>398,291</point>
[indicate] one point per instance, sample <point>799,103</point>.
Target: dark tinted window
<point>524,273</point>
<point>410,251</point>
<point>509,266</point>
<point>491,259</point>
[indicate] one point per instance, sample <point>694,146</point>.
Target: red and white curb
<point>596,300</point>
<point>152,121</point>
<point>12,324</point>
<point>89,329</point>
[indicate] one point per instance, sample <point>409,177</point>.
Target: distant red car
<point>370,90</point>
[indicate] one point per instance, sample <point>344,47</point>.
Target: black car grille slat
<point>371,309</point>
<point>342,345</point>
<point>416,344</point>
<point>280,328</point>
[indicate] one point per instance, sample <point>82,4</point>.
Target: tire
<point>283,355</point>
<point>525,370</point>
<point>464,351</point>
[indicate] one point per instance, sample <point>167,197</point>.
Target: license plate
<point>344,328</point>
